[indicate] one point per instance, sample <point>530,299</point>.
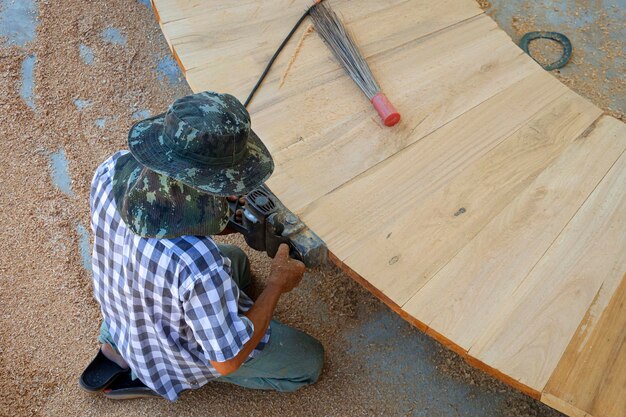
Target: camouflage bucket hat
<point>156,205</point>
<point>204,141</point>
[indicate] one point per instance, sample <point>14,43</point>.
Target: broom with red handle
<point>340,42</point>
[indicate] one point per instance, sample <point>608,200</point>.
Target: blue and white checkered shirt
<point>170,305</point>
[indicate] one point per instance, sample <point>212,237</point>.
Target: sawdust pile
<point>48,314</point>
<point>545,51</point>
<point>310,29</point>
<point>484,4</point>
<point>48,318</point>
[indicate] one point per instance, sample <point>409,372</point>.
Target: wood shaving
<point>295,54</point>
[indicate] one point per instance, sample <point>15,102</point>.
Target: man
<point>176,315</point>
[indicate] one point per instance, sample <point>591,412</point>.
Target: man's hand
<point>238,214</point>
<point>286,273</point>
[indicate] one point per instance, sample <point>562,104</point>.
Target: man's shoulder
<point>108,166</point>
<point>199,257</point>
<point>103,176</point>
<point>199,254</point>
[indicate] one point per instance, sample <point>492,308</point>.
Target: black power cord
<point>278,51</point>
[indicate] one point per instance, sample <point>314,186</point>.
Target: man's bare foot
<point>113,356</point>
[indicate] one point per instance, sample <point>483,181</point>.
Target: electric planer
<point>266,223</point>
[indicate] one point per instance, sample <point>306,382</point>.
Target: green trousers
<point>291,359</point>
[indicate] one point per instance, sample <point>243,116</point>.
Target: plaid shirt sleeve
<point>211,311</point>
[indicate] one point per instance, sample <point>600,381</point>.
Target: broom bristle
<point>344,48</point>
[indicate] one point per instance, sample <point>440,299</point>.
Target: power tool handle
<point>232,221</point>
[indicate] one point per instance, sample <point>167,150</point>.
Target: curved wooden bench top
<point>493,216</point>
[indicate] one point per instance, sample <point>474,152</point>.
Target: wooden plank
<point>540,317</point>
<point>590,379</point>
<point>422,327</point>
<point>562,406</point>
<point>317,152</point>
<point>227,47</point>
<point>172,10</point>
<point>409,178</point>
<point>469,302</point>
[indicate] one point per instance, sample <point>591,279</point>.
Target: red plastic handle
<point>385,109</point>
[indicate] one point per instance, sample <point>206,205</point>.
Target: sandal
<point>124,388</point>
<point>100,373</point>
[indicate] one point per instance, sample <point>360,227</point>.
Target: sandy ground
<point>97,65</point>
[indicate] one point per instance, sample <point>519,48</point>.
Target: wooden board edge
<point>171,46</point>
<point>156,14</point>
<point>562,406</point>
<point>531,392</point>
<point>180,63</point>
<point>510,381</point>
<point>382,297</point>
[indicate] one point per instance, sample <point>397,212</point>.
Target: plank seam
<point>582,136</point>
<point>427,36</point>
<point>505,206</point>
<point>357,177</point>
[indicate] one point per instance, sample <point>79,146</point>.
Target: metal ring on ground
<point>555,36</point>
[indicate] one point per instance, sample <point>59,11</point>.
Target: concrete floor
<point>597,30</point>
<point>406,366</point>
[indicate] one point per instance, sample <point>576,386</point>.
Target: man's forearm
<point>260,314</point>
<point>285,276</point>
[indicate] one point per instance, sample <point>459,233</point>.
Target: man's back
<point>169,305</point>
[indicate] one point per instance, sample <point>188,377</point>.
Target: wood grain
<point>591,376</point>
<point>498,259</point>
<point>585,263</point>
<point>413,176</point>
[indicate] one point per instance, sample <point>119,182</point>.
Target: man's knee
<point>292,360</point>
<point>303,353</point>
<point>306,372</point>
<point>312,361</point>
<point>235,253</point>
<point>317,360</point>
